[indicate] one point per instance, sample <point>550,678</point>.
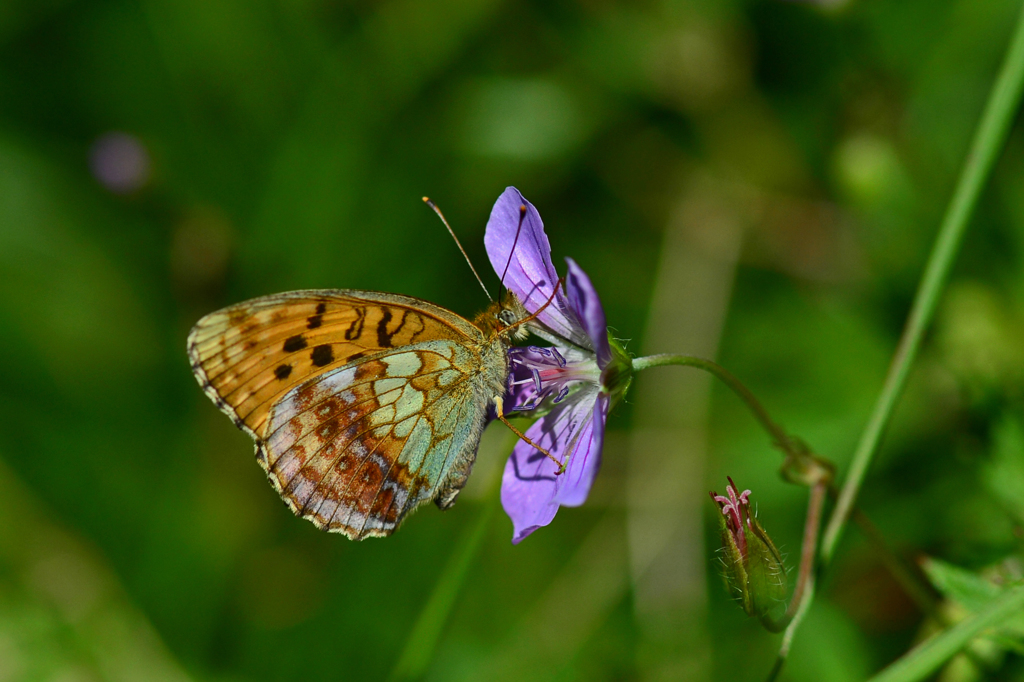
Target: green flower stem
<point>924,659</point>
<point>787,638</point>
<point>805,574</point>
<point>821,486</point>
<point>999,113</point>
<point>808,551</point>
<point>819,489</point>
<point>778,434</point>
<point>419,647</point>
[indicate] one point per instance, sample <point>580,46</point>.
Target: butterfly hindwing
<point>248,355</point>
<point>357,448</point>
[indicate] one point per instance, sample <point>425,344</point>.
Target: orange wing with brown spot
<point>248,356</point>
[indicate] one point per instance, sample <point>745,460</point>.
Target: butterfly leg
<point>499,409</point>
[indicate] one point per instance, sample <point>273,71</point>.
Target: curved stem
<point>805,574</point>
<point>802,467</point>
<point>804,588</point>
<point>787,638</point>
<point>783,439</point>
<point>809,550</point>
<point>988,142</point>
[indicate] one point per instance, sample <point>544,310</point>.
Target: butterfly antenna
<point>429,202</point>
<point>519,228</point>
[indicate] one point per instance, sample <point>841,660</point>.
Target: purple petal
<point>527,492</point>
<point>587,305</point>
<point>530,489</point>
<point>586,458</point>
<point>531,276</point>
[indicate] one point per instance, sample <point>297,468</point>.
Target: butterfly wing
<point>363,404</point>
<point>357,448</point>
<point>247,356</point>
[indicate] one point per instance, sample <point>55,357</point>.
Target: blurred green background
<point>755,180</point>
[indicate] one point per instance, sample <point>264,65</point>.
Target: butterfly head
<point>504,318</point>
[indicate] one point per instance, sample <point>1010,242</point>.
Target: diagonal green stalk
<point>419,648</point>
<point>924,659</point>
<point>989,139</point>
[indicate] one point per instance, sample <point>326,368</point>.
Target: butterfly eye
<point>507,317</point>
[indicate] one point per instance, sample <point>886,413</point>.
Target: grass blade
<point>925,658</point>
<point>989,139</point>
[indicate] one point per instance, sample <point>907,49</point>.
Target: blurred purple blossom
<point>120,162</point>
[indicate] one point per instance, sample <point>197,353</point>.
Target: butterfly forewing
<point>363,404</point>
<point>249,355</point>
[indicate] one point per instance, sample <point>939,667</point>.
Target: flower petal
<point>586,458</point>
<point>587,305</point>
<point>531,276</point>
<point>530,489</point>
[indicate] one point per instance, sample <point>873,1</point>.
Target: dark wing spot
<point>355,330</point>
<point>282,371</point>
<point>322,355</point>
<point>314,321</point>
<point>321,308</point>
<point>383,337</point>
<point>294,343</point>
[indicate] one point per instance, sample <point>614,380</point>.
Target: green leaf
<point>973,592</point>
<point>927,657</point>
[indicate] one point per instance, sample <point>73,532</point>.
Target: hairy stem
<point>787,638</point>
<point>809,549</point>
<point>808,553</point>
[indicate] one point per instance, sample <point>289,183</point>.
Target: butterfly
<point>363,405</point>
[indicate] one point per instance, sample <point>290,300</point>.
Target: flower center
<point>536,374</point>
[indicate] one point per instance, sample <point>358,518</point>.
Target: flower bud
<point>753,568</point>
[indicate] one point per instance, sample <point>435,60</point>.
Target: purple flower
<point>576,380</point>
